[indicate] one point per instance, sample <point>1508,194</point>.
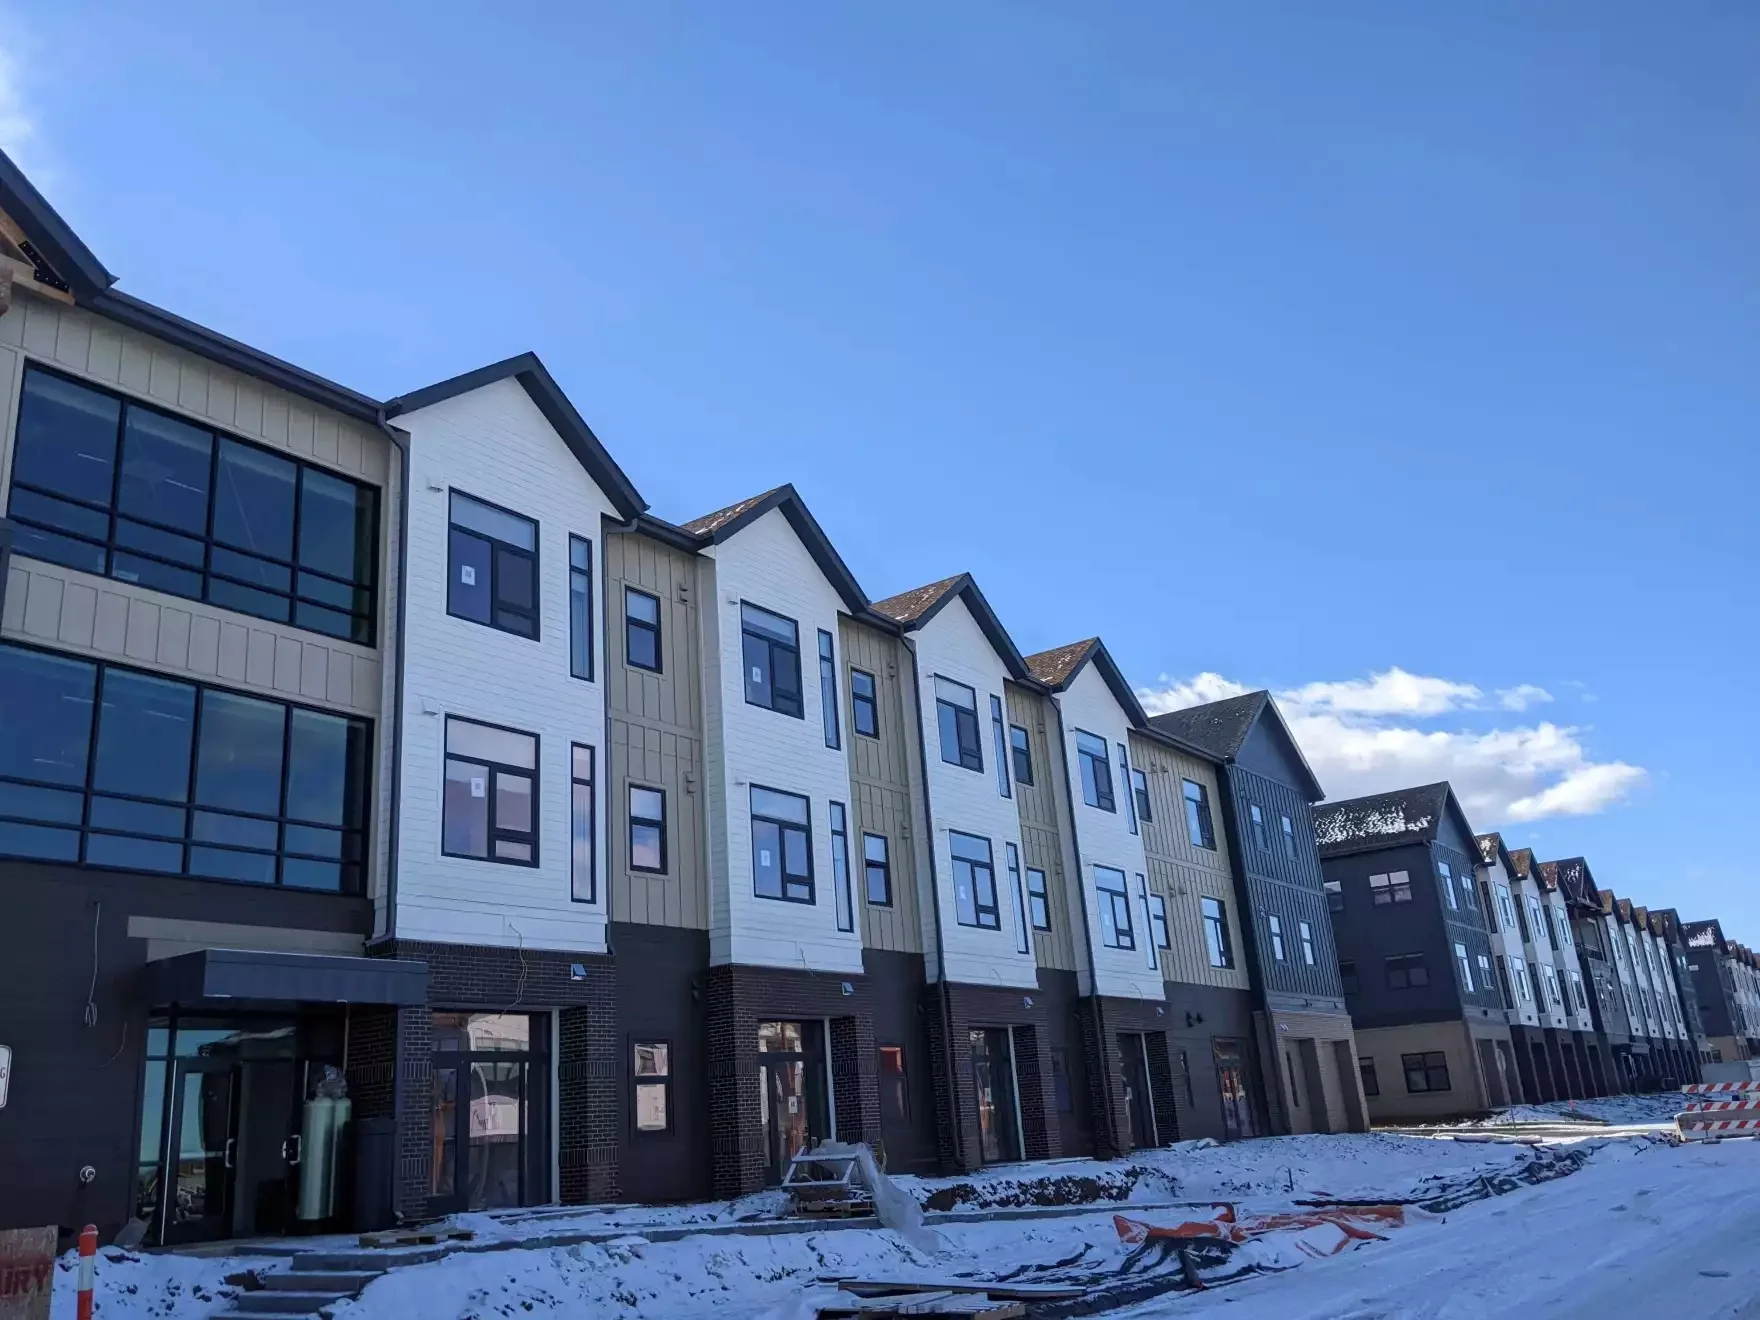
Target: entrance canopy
<point>237,975</point>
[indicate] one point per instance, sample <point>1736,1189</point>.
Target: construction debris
<point>986,1300</point>
<point>844,1179</point>
<point>416,1237</point>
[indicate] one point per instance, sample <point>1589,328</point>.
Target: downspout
<point>1075,843</point>
<point>935,898</point>
<point>400,442</point>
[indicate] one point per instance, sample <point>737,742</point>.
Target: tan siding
<point>1184,873</point>
<point>656,734</point>
<point>1042,826</point>
<point>880,779</point>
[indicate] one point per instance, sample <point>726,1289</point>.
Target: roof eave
<point>63,249</point>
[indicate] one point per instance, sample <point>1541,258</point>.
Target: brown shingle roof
<point>1054,667</point>
<point>908,606</point>
<point>710,522</point>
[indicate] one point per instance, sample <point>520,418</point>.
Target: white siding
<point>1105,838</point>
<point>1506,939</point>
<point>494,444</point>
<point>953,646</point>
<point>767,565</point>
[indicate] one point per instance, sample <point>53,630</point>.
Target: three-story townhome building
<point>1431,1021</point>
<point>1673,1068</point>
<point>1714,962</point>
<point>1609,1050</point>
<point>1530,973</point>
<point>199,630</point>
<point>1698,1046</point>
<point>1500,900</point>
<point>1306,1048</point>
<point>1646,1024</point>
<point>1573,1044</point>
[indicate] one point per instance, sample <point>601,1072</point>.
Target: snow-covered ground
<point>1635,1199</point>
<point>1621,1110</point>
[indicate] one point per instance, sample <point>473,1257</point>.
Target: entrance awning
<point>260,975</point>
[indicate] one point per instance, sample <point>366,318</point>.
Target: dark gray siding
<point>660,977</point>
<point>1466,923</point>
<point>1712,990</point>
<point>1368,935</point>
<point>1268,881</point>
<point>1600,979</point>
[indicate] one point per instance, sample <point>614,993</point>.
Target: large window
<point>1394,887</point>
<point>580,607</point>
<point>492,568</point>
<point>583,836</point>
<point>999,732</point>
<point>1407,971</point>
<point>1038,899</point>
<point>828,689</point>
<point>782,846</point>
<point>771,647</point>
<point>1425,1072</point>
<point>1115,909</point>
<point>1022,751</point>
<point>1215,914</point>
<point>491,792</point>
<point>864,707</point>
<point>956,711</point>
<point>877,864</point>
<point>647,829</point>
<point>113,767</point>
<point>652,1074</point>
<point>111,487</point>
<point>1096,771</point>
<point>974,881</point>
<point>1274,927</point>
<point>841,896</point>
<point>1199,827</point>
<point>641,629</point>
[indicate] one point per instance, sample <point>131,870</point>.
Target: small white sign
<point>763,857</point>
<point>794,1104</point>
<point>757,674</point>
<point>467,574</point>
<point>479,786</point>
<point>5,1072</point>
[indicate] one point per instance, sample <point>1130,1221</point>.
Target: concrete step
<point>311,1280</point>
<point>365,1262</point>
<point>284,1302</point>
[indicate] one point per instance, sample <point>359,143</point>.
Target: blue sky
<point>1399,358</point>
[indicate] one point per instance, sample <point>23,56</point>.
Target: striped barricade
<point>1716,1088</point>
<point>1714,1110</point>
<point>1701,1106</point>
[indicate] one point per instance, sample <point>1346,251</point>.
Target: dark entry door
<point>993,1083</point>
<point>204,1148</point>
<point>1139,1105</point>
<point>488,1112</point>
<point>1231,1079</point>
<point>792,1099</point>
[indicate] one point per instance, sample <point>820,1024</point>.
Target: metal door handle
<point>295,1143</point>
<point>226,1155</point>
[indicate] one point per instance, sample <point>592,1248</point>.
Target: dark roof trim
<point>50,235</point>
<point>1098,656</point>
<point>788,500</point>
<point>558,411</point>
<point>1498,853</point>
<point>203,342</point>
<point>966,589</point>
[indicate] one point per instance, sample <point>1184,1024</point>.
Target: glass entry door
<point>204,1146</point>
<point>1137,1100</point>
<point>791,1091</point>
<point>993,1082</point>
<point>1231,1077</point>
<point>488,1112</point>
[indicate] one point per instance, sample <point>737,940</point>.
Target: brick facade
<point>1103,1019</point>
<point>958,1142</point>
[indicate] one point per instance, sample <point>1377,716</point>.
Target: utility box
<point>375,1165</point>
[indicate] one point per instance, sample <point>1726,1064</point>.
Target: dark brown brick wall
<point>1027,1011</point>
<point>1104,1019</point>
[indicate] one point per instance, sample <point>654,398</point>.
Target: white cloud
<point>1379,733</point>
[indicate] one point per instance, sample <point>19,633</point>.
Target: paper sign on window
<point>763,857</point>
<point>757,674</point>
<point>5,1072</point>
<point>479,786</point>
<point>467,574</point>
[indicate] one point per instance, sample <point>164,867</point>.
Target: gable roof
<point>51,240</point>
<point>714,528</point>
<point>1386,820</point>
<point>1221,728</point>
<point>914,609</point>
<point>1574,880</point>
<point>1491,850</point>
<point>543,390</point>
<point>1059,667</point>
<point>1522,860</point>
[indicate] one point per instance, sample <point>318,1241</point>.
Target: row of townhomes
<point>396,749</point>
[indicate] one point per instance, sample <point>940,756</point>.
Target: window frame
<point>999,735</point>
<point>357,731</point>
<point>871,701</point>
<point>1140,791</point>
<point>591,782</point>
<point>1347,980</point>
<point>1198,815</point>
<point>772,647</point>
<point>1429,1063</point>
<point>1334,890</point>
<point>496,548</point>
<point>1447,873</point>
<point>1396,891</point>
<point>842,897</point>
<point>1042,898</point>
<point>1021,754</point>
<point>1091,763</point>
<point>884,866</point>
<point>1216,941</point>
<point>1017,890</point>
<point>1256,826</point>
<point>805,826</point>
<point>110,544</point>
<point>632,625</point>
<point>1305,938</point>
<point>1463,963</point>
<point>1159,932</point>
<point>979,909</point>
<point>1274,932</point>
<point>828,707</point>
<point>639,1079</point>
<point>1371,1083</point>
<point>1289,835</point>
<point>659,823</point>
<point>580,620</point>
<point>496,769</point>
<point>1404,965</point>
<point>949,710</point>
<point>1112,904</point>
<point>1124,780</point>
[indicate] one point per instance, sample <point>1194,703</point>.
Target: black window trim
<point>1224,947</point>
<point>884,865</point>
<point>753,815</point>
<point>999,734</point>
<point>1118,902</point>
<point>871,701</point>
<point>534,555</point>
<point>1085,759</point>
<point>1429,1062</point>
<point>1404,964</point>
<point>112,511</point>
<point>584,577</point>
<point>959,758</point>
<point>829,709</point>
<point>980,909</point>
<point>634,820</point>
<point>772,645</point>
<point>1145,811</point>
<point>592,783</point>
<point>189,806</point>
<point>1021,753</point>
<point>639,1080</point>
<point>843,899</point>
<point>1371,1082</point>
<point>1201,807</point>
<point>495,768</point>
<point>1042,898</point>
<point>629,622</point>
